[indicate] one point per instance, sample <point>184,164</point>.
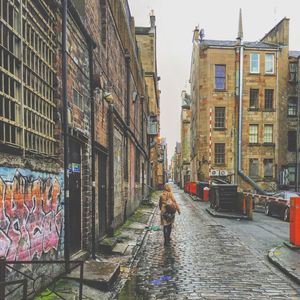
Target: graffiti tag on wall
<point>31,214</point>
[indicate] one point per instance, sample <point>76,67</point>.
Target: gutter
<point>240,136</point>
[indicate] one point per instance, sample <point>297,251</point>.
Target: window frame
<point>273,63</point>
<point>292,108</point>
<point>266,107</point>
<point>251,63</point>
<point>266,160</point>
<point>219,155</point>
<point>294,72</point>
<point>220,77</point>
<point>218,119</point>
<point>251,160</point>
<point>253,134</point>
<point>267,134</point>
<point>250,99</point>
<point>292,146</point>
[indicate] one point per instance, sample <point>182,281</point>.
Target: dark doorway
<point>75,196</point>
<point>102,188</point>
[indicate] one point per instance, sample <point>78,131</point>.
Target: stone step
<point>120,248</point>
<point>96,274</point>
<point>106,245</point>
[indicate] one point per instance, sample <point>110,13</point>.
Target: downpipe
<point>240,124</point>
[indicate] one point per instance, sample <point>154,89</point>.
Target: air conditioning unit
<point>214,173</point>
<point>223,172</point>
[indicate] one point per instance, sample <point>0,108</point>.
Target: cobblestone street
<point>204,261</point>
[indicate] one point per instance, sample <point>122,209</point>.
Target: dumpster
<point>193,188</point>
<point>200,186</point>
<point>206,194</point>
<point>187,187</point>
<point>223,196</point>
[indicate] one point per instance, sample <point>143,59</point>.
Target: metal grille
<point>27,51</point>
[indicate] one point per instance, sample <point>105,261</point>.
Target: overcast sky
<point>176,19</point>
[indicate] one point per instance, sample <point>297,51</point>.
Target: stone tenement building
<point>146,40</point>
<point>86,88</point>
<point>185,138</point>
<point>258,151</point>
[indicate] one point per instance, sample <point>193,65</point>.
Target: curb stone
<point>280,265</point>
<point>226,216</point>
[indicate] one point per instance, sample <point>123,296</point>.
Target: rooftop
<point>295,54</point>
<point>224,43</point>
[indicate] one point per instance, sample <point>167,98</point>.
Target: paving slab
<point>120,248</point>
<point>137,226</point>
<point>287,260</point>
<point>97,274</point>
<point>224,214</point>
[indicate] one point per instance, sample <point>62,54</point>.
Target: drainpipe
<point>240,171</point>
<point>91,67</point>
<point>298,129</point>
<point>110,132</point>
<point>66,134</point>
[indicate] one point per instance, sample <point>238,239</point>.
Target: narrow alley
<point>205,260</point>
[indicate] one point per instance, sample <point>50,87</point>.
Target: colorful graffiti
<point>31,214</point>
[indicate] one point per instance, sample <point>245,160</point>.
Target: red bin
<point>206,194</point>
<point>295,221</point>
<point>193,188</point>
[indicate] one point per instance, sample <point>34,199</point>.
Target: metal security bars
<point>27,49</point>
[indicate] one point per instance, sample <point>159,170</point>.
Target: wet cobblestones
<point>203,261</point>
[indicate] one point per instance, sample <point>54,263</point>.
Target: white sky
<point>176,19</point>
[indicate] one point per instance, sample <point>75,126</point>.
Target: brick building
<point>255,102</point>
<point>74,110</point>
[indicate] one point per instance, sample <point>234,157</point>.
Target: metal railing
<point>31,277</point>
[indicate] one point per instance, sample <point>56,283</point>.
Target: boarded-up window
<point>292,140</point>
<point>268,168</point>
<point>253,167</point>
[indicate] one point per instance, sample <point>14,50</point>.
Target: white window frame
<point>273,63</point>
<point>251,64</point>
<point>253,134</point>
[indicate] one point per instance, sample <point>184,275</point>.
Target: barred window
<point>253,134</point>
<point>27,78</point>
<point>220,117</point>
<point>268,134</point>
<point>254,98</point>
<point>219,153</point>
<point>269,99</point>
<point>293,72</point>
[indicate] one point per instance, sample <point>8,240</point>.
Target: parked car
<point>279,204</point>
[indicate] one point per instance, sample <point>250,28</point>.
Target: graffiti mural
<point>31,213</point>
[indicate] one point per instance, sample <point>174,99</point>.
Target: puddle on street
<point>129,291</point>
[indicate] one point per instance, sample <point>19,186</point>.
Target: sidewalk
<point>114,261</point>
<point>287,260</point>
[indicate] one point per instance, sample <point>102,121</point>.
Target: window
<point>268,134</point>
<point>254,63</point>
<point>253,134</point>
<point>292,106</point>
<point>292,175</point>
<point>268,168</point>
<point>269,63</point>
<point>219,153</point>
<point>254,98</point>
<point>220,117</point>
<point>220,73</point>
<point>253,167</point>
<point>78,99</point>
<point>269,99</point>
<point>293,72</point>
<point>292,143</point>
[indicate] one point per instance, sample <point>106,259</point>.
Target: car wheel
<point>268,210</point>
<point>286,215</point>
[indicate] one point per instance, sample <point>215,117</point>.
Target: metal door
<point>75,196</point>
<point>102,188</point>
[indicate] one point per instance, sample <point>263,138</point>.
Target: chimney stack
<point>196,34</point>
<point>152,19</point>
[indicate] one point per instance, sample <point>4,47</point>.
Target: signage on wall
<point>74,168</point>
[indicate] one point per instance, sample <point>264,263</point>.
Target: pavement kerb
<point>143,235</point>
<point>226,216</point>
<point>276,262</point>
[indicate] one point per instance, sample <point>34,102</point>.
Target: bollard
<point>244,205</point>
<point>295,221</point>
<point>249,207</point>
<point>2,277</point>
